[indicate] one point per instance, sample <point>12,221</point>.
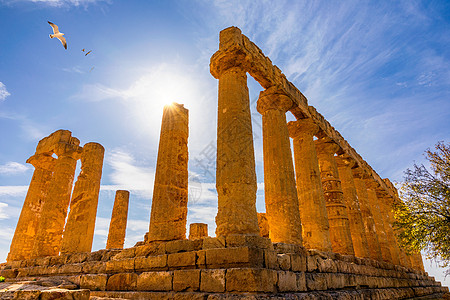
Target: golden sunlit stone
<point>313,212</point>
<point>118,223</point>
<point>170,192</point>
<point>79,230</point>
<point>241,261</point>
<point>280,192</point>
<point>340,236</point>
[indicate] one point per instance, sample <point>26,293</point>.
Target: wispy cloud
<point>30,128</point>
<point>59,3</point>
<point>3,92</point>
<point>128,174</point>
<point>13,168</point>
<point>16,190</point>
<point>3,214</point>
<point>156,86</point>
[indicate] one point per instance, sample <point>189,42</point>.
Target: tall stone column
<point>417,262</point>
<point>118,224</point>
<point>25,233</point>
<point>385,203</point>
<point>369,224</point>
<point>377,213</point>
<point>313,211</point>
<point>281,199</point>
<point>341,240</point>
<point>54,210</point>
<point>235,170</point>
<point>79,230</point>
<point>170,193</point>
<point>353,208</point>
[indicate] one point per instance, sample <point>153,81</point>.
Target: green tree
<point>424,215</point>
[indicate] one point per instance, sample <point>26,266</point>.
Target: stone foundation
<point>232,267</point>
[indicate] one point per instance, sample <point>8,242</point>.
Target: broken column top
<point>58,142</point>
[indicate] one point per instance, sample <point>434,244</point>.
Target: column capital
<point>371,183</point>
<point>225,59</point>
<point>68,149</point>
<point>44,161</point>
<point>326,146</point>
<point>302,127</point>
<point>360,173</point>
<point>274,98</point>
<point>381,193</point>
<point>345,161</point>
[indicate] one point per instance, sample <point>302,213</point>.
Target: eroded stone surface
<point>79,230</point>
<point>280,192</point>
<point>118,223</point>
<point>313,212</point>
<point>170,192</point>
<point>340,235</point>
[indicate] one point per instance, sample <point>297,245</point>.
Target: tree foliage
<point>423,218</point>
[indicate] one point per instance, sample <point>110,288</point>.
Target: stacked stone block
<point>216,268</point>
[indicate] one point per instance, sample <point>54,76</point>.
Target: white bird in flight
<point>57,34</point>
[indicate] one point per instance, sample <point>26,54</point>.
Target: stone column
<point>385,203</point>
<point>198,231</point>
<point>235,170</point>
<point>281,199</point>
<point>372,186</point>
<point>417,262</point>
<point>54,210</point>
<point>25,233</point>
<point>263,225</point>
<point>369,224</point>
<point>118,224</point>
<point>341,240</point>
<point>170,193</point>
<point>79,230</point>
<point>313,211</point>
<point>357,230</point>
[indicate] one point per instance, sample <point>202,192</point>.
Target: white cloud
<point>3,92</point>
<point>16,191</point>
<point>13,168</point>
<point>128,175</point>
<point>3,214</point>
<point>60,3</point>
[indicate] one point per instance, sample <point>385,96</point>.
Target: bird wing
<point>55,28</point>
<point>88,52</point>
<point>63,41</point>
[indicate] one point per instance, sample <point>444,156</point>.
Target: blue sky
<point>379,71</point>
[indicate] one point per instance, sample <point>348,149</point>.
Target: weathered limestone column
<point>118,224</point>
<point>263,225</point>
<point>417,262</point>
<point>235,170</point>
<point>385,203</point>
<point>341,240</point>
<point>377,213</point>
<point>403,257</point>
<point>357,230</point>
<point>79,230</point>
<point>281,199</point>
<point>54,210</point>
<point>369,224</point>
<point>25,233</point>
<point>198,231</point>
<point>313,211</point>
<point>170,193</point>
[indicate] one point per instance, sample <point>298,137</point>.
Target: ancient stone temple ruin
<point>326,234</point>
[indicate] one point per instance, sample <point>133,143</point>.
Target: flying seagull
<point>57,34</point>
<point>83,50</point>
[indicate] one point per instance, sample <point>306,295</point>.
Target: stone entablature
<point>234,47</point>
